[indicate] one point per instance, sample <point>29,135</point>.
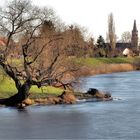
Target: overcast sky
<point>93,14</point>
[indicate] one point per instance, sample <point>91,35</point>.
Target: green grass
<point>15,61</point>
<point>99,61</point>
<point>7,88</point>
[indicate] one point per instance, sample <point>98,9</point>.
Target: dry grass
<point>106,68</point>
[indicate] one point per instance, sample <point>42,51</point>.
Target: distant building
<point>133,45</point>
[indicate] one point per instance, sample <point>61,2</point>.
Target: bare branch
<point>46,44</point>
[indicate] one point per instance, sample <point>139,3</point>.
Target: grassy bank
<point>100,61</point>
<point>7,88</point>
<point>93,66</point>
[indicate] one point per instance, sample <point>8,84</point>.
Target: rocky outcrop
<point>28,102</point>
<point>93,93</point>
<point>49,100</point>
<point>64,98</point>
<point>68,98</point>
<point>98,94</point>
<point>54,100</point>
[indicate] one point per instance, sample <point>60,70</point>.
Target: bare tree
<point>21,22</point>
<point>73,42</point>
<point>111,31</point>
<point>126,37</point>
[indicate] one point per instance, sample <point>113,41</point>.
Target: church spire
<point>134,26</point>
<point>134,39</point>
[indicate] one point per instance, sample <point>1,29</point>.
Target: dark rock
<point>95,93</point>
<point>92,91</point>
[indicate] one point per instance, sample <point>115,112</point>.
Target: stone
<point>54,100</point>
<point>98,94</point>
<point>28,101</point>
<point>92,91</point>
<point>68,97</point>
<point>41,101</point>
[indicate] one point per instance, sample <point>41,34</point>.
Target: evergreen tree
<point>101,42</point>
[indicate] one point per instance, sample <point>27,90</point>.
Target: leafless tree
<point>111,31</point>
<point>74,43</point>
<point>21,22</point>
<point>126,37</point>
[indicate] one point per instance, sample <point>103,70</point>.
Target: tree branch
<point>43,47</point>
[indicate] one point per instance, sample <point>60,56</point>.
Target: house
<point>127,52</point>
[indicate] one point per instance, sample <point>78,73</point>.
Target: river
<point>117,119</point>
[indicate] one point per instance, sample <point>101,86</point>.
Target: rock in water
<point>95,93</point>
<point>98,94</point>
<point>92,91</point>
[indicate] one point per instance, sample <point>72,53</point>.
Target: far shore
<point>107,68</point>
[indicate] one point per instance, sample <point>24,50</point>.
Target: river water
<point>117,119</point>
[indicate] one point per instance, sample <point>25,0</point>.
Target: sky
<point>93,14</point>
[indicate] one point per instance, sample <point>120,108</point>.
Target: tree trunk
<point>16,99</point>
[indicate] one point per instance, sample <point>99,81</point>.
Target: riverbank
<point>93,66</point>
<point>68,97</point>
<point>106,68</point>
<point>89,67</point>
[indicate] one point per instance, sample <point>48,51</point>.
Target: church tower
<point>134,38</point>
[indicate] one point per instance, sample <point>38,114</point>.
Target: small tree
<point>103,49</point>
<point>73,41</point>
<point>91,47</point>
<point>101,42</point>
